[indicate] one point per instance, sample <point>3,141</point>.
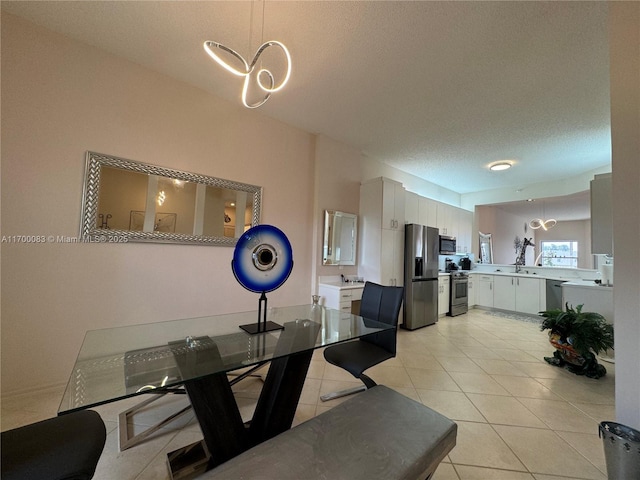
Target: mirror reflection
<point>148,203</point>
<point>486,248</point>
<point>340,237</point>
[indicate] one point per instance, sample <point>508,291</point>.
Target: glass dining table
<point>198,354</point>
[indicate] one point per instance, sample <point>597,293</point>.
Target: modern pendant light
<point>264,78</point>
<point>544,224</point>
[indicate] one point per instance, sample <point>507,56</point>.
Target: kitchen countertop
<point>577,282</point>
<point>528,275</point>
<point>342,285</point>
<point>586,284</point>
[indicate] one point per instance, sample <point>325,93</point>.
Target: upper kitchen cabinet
<point>428,212</point>
<point>392,204</point>
<point>601,215</point>
<point>411,208</point>
<point>447,220</point>
<point>465,227</point>
<point>382,219</point>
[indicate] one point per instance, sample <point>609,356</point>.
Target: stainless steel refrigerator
<point>421,250</point>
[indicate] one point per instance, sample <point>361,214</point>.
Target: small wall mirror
<point>486,248</point>
<point>144,203</point>
<point>340,237</point>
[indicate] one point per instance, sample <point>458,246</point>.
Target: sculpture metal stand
<point>262,262</point>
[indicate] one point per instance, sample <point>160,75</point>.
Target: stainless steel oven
<point>459,298</point>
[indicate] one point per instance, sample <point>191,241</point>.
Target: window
<point>559,254</point>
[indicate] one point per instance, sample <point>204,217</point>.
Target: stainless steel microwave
<point>447,245</point>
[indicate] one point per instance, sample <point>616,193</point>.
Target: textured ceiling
<point>436,89</point>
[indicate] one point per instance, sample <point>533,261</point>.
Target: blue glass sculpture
<point>262,262</point>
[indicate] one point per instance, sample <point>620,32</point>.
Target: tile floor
<point>518,417</point>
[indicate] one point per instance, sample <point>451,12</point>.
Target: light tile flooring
<point>518,417</point>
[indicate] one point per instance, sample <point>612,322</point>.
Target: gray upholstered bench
<point>378,434</point>
<point>59,448</point>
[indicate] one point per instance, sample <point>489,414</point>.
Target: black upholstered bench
<point>66,447</point>
<point>378,434</point>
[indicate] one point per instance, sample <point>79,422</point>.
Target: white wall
<point>624,51</point>
<point>61,98</point>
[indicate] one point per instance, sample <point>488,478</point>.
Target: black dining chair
<point>67,447</point>
<point>381,304</point>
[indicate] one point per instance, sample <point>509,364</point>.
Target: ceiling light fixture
<point>263,77</point>
<point>544,224</point>
<point>496,167</point>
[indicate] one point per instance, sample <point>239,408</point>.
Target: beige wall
<point>504,226</point>
<point>61,98</point>
<point>577,231</point>
<point>337,180</point>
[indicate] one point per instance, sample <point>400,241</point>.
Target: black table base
<point>225,434</point>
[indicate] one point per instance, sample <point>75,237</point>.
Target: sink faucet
<point>518,267</point>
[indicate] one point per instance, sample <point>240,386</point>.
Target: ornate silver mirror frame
<point>94,223</point>
<point>340,238</point>
<point>486,248</point>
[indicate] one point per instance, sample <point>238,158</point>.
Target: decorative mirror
<point>340,236</point>
<point>486,248</point>
<point>138,202</point>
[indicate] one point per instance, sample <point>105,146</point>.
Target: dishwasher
<point>554,294</point>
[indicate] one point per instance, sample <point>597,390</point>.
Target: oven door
<point>459,296</point>
<point>459,291</point>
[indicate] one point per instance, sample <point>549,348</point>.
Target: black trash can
<point>621,450</point>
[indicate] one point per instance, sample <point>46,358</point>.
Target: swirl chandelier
<point>263,78</point>
<point>544,224</point>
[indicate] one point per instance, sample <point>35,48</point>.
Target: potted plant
<point>577,337</point>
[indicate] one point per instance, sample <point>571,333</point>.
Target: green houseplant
<point>577,337</point>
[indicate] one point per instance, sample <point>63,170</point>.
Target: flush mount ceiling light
<point>496,167</point>
<point>263,77</point>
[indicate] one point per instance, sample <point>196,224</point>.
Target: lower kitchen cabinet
<point>484,291</point>
<point>443,294</point>
<point>345,298</point>
<point>528,295</point>
<point>517,294</point>
<point>504,295</point>
<point>471,290</point>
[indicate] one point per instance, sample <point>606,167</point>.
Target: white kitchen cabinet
<point>517,294</point>
<point>392,204</point>
<point>445,220</point>
<point>528,295</point>
<point>601,214</point>
<point>428,212</point>
<point>444,288</point>
<point>345,298</point>
<point>465,227</point>
<point>392,261</point>
<point>484,290</point>
<point>504,295</point>
<point>412,208</point>
<point>381,225</point>
<point>471,290</point>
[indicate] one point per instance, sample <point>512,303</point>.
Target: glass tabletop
<point>120,362</point>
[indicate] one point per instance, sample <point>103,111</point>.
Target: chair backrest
<point>382,304</point>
